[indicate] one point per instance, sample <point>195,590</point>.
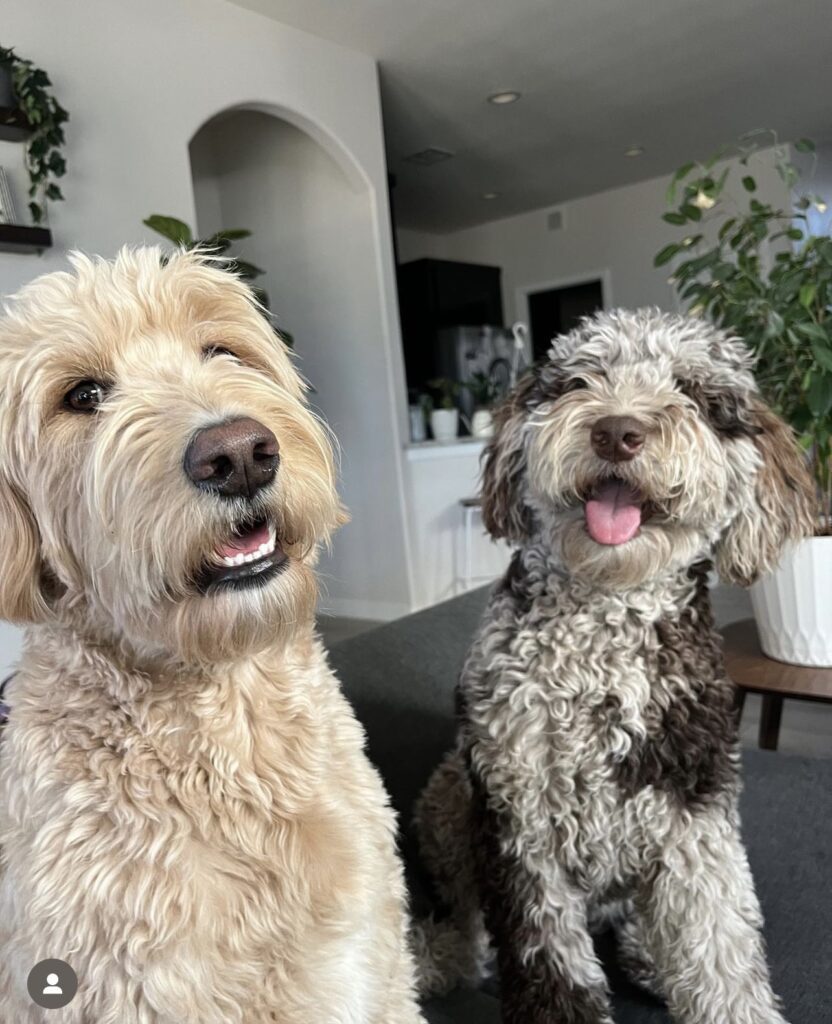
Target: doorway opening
<point>554,311</point>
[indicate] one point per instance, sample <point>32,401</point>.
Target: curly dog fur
<point>187,815</point>
<point>596,776</point>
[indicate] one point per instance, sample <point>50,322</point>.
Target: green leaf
<point>749,183</point>
<point>807,295</point>
<point>726,227</point>
<point>682,172</point>
<point>248,271</point>
<point>795,234</point>
<point>804,146</point>
<point>759,229</point>
<point>814,331</point>
<point>233,234</point>
<point>216,243</point>
<point>666,255</point>
<point>819,395</point>
<point>774,324</point>
<point>674,218</point>
<point>176,231</point>
<point>822,355</point>
<point>692,212</point>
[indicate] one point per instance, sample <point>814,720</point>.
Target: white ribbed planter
<point>445,424</point>
<point>793,605</point>
<point>482,423</point>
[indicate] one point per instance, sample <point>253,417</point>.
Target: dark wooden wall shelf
<point>21,238</point>
<point>13,125</point>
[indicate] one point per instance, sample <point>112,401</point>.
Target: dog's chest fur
<point>232,840</point>
<point>593,717</point>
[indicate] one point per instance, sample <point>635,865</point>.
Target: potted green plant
<point>758,270</point>
<point>444,418</point>
<point>182,236</point>
<point>28,90</point>
<point>483,392</point>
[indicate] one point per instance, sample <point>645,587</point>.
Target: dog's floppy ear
<point>21,595</point>
<point>782,509</point>
<point>504,511</point>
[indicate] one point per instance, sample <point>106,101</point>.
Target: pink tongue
<point>245,544</point>
<point>613,515</point>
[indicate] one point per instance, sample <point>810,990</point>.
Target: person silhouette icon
<point>52,984</point>
<point>52,987</point>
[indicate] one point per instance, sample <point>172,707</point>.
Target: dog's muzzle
<point>236,460</point>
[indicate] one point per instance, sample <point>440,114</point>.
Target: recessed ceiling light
<point>634,151</point>
<point>502,98</point>
<point>490,195</point>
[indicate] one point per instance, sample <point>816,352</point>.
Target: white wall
<point>139,79</point>
<point>313,236</point>
<point>618,232</point>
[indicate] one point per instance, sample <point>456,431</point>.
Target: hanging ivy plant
<point>46,118</point>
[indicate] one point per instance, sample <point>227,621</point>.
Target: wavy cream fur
<point>187,815</point>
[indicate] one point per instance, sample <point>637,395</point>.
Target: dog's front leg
<point>549,973</point>
<point>703,928</point>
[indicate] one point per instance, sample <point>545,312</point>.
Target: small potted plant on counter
<point>444,418</point>
<point>483,392</point>
<point>762,273</point>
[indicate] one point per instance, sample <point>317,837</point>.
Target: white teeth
<point>265,549</point>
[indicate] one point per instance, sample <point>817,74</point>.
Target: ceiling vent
<point>426,157</point>
<point>555,220</point>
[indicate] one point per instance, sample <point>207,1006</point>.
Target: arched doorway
<point>311,214</point>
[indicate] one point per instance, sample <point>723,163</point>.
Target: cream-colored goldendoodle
<point>187,816</point>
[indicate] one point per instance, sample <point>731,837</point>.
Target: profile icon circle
<point>52,984</point>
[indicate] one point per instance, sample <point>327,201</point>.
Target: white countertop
<point>444,449</point>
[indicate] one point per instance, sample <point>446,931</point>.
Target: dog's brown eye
<point>219,350</point>
<point>86,396</point>
<point>576,384</point>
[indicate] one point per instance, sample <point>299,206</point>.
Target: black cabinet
<point>442,293</point>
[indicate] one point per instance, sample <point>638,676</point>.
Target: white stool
<point>471,507</point>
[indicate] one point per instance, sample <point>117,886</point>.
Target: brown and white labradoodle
<point>187,815</point>
<point>596,774</point>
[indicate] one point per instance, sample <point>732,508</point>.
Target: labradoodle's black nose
<point>234,459</point>
<point>617,438</point>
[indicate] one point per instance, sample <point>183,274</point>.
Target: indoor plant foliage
<point>483,392</point>
<point>31,89</point>
<point>758,271</point>
<point>444,420</point>
<point>181,234</point>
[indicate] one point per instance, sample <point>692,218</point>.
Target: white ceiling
<point>679,77</point>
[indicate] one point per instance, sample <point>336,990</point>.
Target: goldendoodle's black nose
<point>234,459</point>
<point>617,438</point>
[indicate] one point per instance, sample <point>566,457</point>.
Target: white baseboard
<point>355,608</point>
